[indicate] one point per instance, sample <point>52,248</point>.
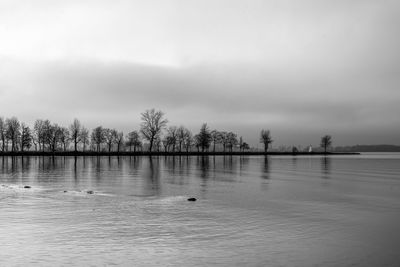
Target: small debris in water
<point>191,199</point>
<point>27,186</point>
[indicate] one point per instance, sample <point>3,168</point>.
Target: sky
<point>302,69</point>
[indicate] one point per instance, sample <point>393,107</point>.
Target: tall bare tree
<point>26,137</point>
<point>119,140</point>
<point>133,139</point>
<point>223,137</point>
<point>181,133</point>
<point>153,123</point>
<point>231,140</point>
<point>110,137</point>
<point>215,138</point>
<point>3,134</point>
<point>204,137</point>
<point>84,137</point>
<point>172,134</point>
<point>47,135</point>
<point>38,133</point>
<point>265,138</point>
<point>64,138</point>
<point>326,142</point>
<point>13,132</point>
<point>75,131</point>
<point>188,142</point>
<point>54,134</point>
<point>97,137</point>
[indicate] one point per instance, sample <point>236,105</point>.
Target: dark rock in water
<point>27,186</point>
<point>90,192</point>
<point>191,199</point>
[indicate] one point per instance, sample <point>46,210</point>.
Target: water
<point>251,211</point>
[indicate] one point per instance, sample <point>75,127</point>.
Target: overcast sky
<point>299,68</point>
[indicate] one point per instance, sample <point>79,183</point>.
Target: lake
<point>250,211</point>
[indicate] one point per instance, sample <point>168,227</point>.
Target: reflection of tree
<point>265,168</point>
<point>228,163</point>
<point>98,169</point>
<point>243,163</point>
<point>75,168</point>
<point>204,167</point>
<point>326,167</point>
<point>134,162</point>
<point>152,177</point>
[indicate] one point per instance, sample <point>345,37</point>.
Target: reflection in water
<point>243,164</point>
<point>229,163</point>
<point>204,166</point>
<point>298,221</point>
<point>265,172</point>
<point>75,168</point>
<point>152,177</point>
<point>326,167</point>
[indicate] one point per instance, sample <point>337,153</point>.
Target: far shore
<point>192,153</point>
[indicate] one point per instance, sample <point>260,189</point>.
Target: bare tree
<point>216,138</point>
<point>188,140</point>
<point>47,135</point>
<point>3,131</point>
<point>231,140</point>
<point>54,134</point>
<point>153,123</point>
<point>38,133</point>
<point>204,137</point>
<point>166,142</point>
<point>110,136</point>
<point>181,135</point>
<point>64,138</point>
<point>26,137</point>
<point>245,146</point>
<point>133,140</point>
<point>223,137</point>
<point>119,140</point>
<point>84,137</point>
<point>13,132</point>
<point>172,135</point>
<point>197,141</point>
<point>265,138</point>
<point>326,142</point>
<point>97,137</point>
<point>157,143</point>
<point>75,131</point>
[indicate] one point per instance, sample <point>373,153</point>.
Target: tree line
<point>153,136</point>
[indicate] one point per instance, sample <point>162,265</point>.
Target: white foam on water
<point>85,192</point>
<point>19,188</point>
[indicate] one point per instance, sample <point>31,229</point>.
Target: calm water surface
<point>251,211</point>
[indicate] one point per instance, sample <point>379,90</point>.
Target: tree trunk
<point>151,143</point>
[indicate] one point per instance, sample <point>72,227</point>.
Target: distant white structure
<point>310,149</point>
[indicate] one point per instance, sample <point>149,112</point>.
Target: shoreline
<point>145,153</point>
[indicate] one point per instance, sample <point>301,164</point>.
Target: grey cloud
<point>245,95</point>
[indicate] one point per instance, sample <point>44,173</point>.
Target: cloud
<point>240,97</point>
